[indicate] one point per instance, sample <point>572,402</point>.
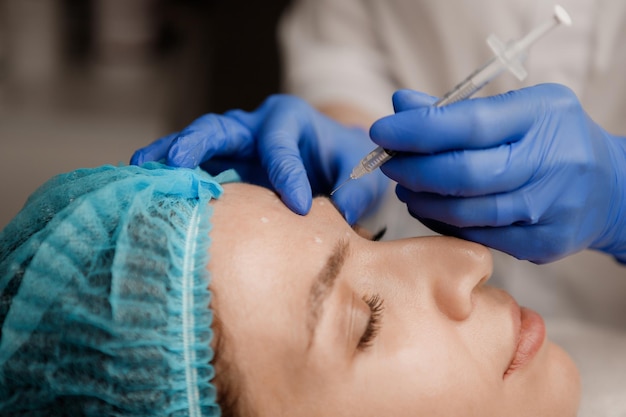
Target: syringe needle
<point>340,185</point>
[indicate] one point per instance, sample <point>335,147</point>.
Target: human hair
<point>232,396</point>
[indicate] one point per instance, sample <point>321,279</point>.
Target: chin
<point>549,386</point>
<point>566,387</point>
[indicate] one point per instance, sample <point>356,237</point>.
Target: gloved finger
<point>277,146</point>
<point>410,99</point>
<point>471,124</point>
<point>357,197</point>
<point>533,243</point>
<point>208,136</point>
<point>466,173</point>
<point>255,119</point>
<point>156,151</point>
<point>496,210</point>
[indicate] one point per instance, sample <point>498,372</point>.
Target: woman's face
<point>323,322</point>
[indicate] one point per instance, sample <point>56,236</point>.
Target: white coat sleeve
<point>331,54</point>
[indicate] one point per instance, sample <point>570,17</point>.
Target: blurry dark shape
<point>223,54</point>
<point>172,16</point>
<point>77,30</point>
<point>184,48</point>
<point>246,64</point>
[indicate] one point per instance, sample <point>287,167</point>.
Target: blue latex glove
<point>284,143</point>
<point>527,172</point>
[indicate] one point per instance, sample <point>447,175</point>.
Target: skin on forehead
<point>265,244</point>
<point>445,339</point>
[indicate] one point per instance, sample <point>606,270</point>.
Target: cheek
<point>422,371</point>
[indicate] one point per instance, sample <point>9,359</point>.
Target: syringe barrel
<point>473,83</point>
<point>372,161</point>
<point>460,92</point>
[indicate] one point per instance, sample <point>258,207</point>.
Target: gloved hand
<point>527,172</point>
<point>300,150</point>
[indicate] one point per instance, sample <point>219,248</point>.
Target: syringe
<point>506,56</point>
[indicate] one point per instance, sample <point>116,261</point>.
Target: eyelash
<point>379,235</point>
<point>376,306</point>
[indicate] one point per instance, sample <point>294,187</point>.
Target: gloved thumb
<point>411,99</point>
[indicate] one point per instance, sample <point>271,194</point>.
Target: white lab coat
<point>360,51</point>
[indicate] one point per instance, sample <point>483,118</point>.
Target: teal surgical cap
<point>104,300</point>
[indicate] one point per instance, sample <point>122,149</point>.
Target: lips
<point>532,333</point>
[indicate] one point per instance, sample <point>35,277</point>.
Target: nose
<point>450,269</point>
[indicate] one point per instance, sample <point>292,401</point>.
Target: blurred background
<point>86,82</point>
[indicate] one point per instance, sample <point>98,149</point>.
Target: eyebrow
<point>323,285</point>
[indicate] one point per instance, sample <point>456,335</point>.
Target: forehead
<point>263,259</point>
<point>264,214</point>
<point>246,197</point>
<point>255,235</point>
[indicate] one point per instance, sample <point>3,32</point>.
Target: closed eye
<point>375,303</point>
